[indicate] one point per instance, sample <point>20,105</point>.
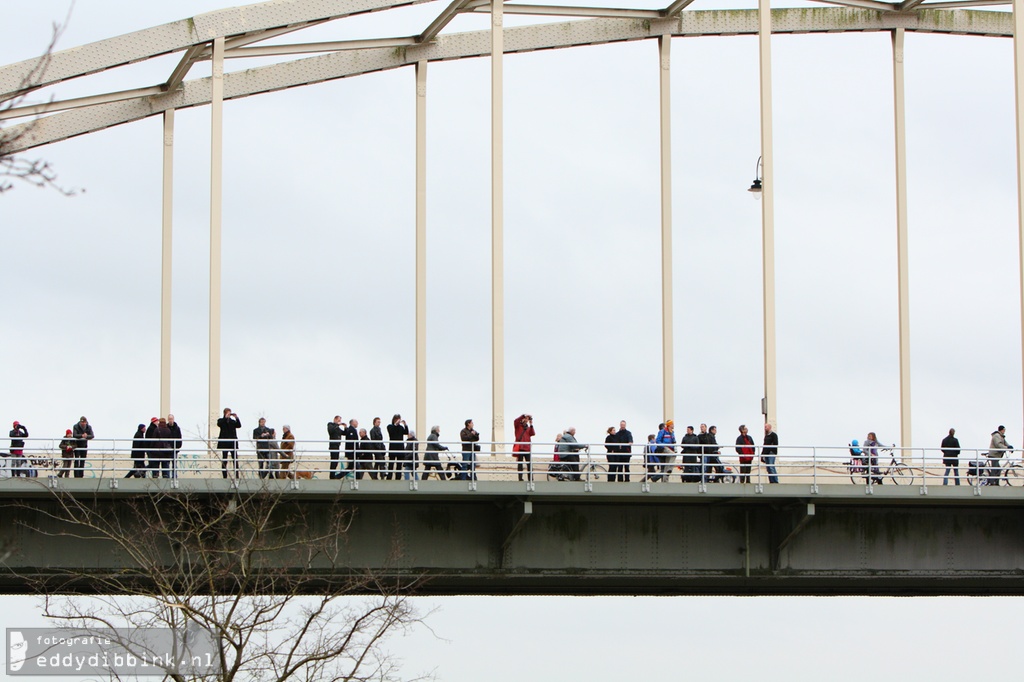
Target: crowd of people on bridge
<point>357,452</point>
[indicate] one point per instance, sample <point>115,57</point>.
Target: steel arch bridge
<point>241,32</point>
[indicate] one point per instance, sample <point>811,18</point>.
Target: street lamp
<point>755,187</point>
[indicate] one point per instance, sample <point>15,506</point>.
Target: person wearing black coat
<point>152,449</point>
<point>355,464</point>
<point>951,457</point>
<point>138,454</point>
<point>176,441</point>
<point>262,435</point>
<point>83,433</point>
<point>164,449</point>
<point>378,466</point>
<point>397,431</point>
<point>335,434</point>
<point>227,440</point>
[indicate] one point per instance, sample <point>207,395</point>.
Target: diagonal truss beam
<point>442,20</point>
<point>180,35</point>
<point>518,39</point>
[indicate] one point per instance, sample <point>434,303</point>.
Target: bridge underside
<point>614,539</point>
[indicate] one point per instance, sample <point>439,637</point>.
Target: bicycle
<point>995,472</point>
<point>589,470</point>
<point>898,472</point>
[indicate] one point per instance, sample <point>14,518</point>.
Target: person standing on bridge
<point>351,442</point>
<point>227,440</point>
<point>871,446</point>
<point>996,448</point>
<point>469,438</point>
<point>691,456</point>
<point>569,453</point>
<point>745,450</point>
<point>19,465</point>
<point>951,457</point>
<point>619,445</point>
<point>397,432</point>
<point>138,469</point>
<point>335,433</point>
<point>521,448</point>
<point>364,455</point>
<point>262,434</point>
<point>667,448</point>
<point>83,433</point>
<point>769,452</point>
<point>378,466</point>
<point>176,441</point>
<point>432,456</point>
<point>286,454</point>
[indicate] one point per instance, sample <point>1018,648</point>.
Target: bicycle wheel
<point>901,474</point>
<point>858,475</point>
<point>1014,474</point>
<point>596,472</point>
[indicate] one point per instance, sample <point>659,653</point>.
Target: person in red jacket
<point>521,448</point>
<point>745,449</point>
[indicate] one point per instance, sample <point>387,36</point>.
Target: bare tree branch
<point>14,168</point>
<point>225,564</point>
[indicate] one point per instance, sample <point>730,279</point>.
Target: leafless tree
<point>15,167</point>
<point>263,578</point>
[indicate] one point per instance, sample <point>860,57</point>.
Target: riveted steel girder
<point>180,35</point>
<point>349,63</point>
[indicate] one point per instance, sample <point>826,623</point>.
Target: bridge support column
<point>497,226</point>
<point>1018,79</point>
<point>216,192</point>
<point>667,342</point>
<point>902,244</point>
<point>421,250</point>
<point>764,14</point>
<point>166,247</point>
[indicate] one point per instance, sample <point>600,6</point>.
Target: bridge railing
<point>376,460</point>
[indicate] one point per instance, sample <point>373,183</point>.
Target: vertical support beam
<point>216,191</point>
<point>421,249</point>
<point>764,37</point>
<point>166,245</point>
<point>1018,80</point>
<point>900,128</point>
<point>497,227</point>
<point>667,346</point>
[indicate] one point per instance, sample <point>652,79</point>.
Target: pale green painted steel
<point>613,540</point>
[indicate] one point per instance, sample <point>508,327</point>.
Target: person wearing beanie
<point>19,465</point>
<point>83,434</point>
<point>67,453</point>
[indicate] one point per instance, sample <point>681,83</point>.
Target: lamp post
<point>755,187</point>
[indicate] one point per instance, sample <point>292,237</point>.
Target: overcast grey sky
<point>318,283</point>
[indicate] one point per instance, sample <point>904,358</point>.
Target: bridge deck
<point>563,538</point>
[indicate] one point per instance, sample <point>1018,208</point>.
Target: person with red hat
<point>67,454</point>
<point>19,466</point>
<point>152,448</point>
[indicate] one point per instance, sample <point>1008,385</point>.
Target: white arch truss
<point>234,33</point>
